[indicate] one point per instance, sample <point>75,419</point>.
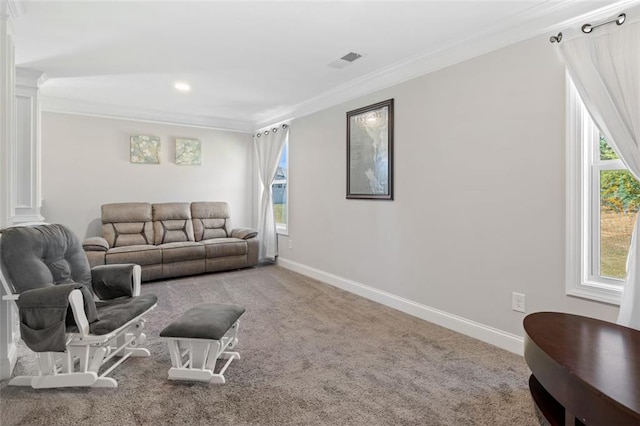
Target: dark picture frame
<point>370,152</point>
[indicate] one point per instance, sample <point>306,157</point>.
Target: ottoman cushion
<point>207,321</point>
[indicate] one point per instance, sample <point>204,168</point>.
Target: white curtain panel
<point>605,67</point>
<point>268,151</point>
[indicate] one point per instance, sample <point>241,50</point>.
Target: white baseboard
<point>485,333</point>
<point>7,364</point>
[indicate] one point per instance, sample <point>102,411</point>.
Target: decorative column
<point>7,117</point>
<point>26,166</point>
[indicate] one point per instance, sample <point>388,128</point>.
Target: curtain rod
<point>588,28</point>
<point>274,130</point>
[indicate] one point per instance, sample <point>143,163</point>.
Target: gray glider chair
<point>78,338</point>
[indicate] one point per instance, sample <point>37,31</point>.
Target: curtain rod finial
<point>556,38</point>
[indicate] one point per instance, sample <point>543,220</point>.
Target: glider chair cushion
<point>45,269</point>
<point>43,256</point>
<point>117,312</point>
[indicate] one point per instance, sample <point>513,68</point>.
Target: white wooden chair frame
<point>195,359</point>
<point>86,353</point>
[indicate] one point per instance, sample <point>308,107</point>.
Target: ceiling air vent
<point>345,60</point>
<point>351,56</point>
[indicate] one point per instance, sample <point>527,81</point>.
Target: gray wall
<point>479,209</point>
<point>85,163</point>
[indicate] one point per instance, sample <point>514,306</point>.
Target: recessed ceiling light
<point>182,86</point>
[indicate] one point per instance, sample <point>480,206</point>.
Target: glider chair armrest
<point>244,233</point>
<point>111,281</point>
<point>76,301</point>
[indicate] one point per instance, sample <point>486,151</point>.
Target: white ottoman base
<point>195,359</point>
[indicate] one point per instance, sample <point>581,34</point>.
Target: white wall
<point>85,163</point>
<point>479,209</point>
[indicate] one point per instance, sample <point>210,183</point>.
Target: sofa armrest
<point>111,281</point>
<point>244,233</point>
<point>95,244</point>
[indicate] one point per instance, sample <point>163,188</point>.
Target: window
<point>281,192</point>
<point>603,203</point>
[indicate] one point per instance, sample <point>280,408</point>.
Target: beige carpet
<point>311,355</point>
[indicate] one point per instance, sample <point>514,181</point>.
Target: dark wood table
<point>585,371</point>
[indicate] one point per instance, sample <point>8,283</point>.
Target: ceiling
<point>253,63</point>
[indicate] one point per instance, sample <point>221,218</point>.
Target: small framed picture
<point>188,152</point>
<point>145,149</point>
<point>370,152</point>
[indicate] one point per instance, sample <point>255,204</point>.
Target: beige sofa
<point>172,239</point>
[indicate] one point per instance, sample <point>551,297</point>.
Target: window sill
<point>597,292</point>
<point>282,231</point>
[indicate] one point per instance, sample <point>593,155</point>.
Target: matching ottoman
<point>200,337</point>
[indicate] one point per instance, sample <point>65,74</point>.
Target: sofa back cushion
<point>127,224</point>
<point>172,223</point>
<point>211,219</point>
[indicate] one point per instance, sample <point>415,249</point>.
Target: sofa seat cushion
<point>140,254</point>
<point>221,247</point>
<point>180,251</point>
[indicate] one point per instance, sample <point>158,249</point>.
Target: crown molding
<point>543,17</point>
<point>534,21</point>
<point>92,109</point>
<point>603,12</point>
<point>29,77</point>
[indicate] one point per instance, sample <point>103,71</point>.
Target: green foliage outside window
<point>619,190</point>
<point>619,203</point>
<point>606,152</point>
<point>280,213</point>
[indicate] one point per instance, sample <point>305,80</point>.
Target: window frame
<point>283,228</point>
<point>583,206</point>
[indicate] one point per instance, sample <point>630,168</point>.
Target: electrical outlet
<point>517,302</point>
<point>290,244</point>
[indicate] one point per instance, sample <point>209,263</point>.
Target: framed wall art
<point>145,149</point>
<point>188,152</point>
<point>370,152</point>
